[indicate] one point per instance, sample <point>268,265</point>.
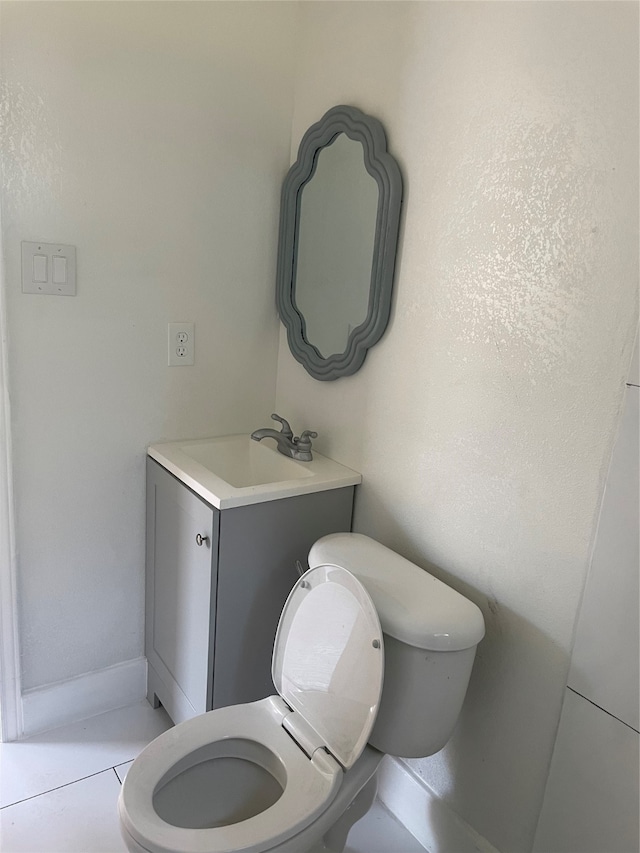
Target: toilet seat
<point>314,784</point>
<point>328,670</point>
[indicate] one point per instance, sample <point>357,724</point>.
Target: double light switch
<point>49,268</point>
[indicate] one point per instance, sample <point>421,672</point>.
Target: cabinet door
<point>181,589</point>
<point>259,546</point>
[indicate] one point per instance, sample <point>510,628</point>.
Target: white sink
<point>234,470</point>
<point>242,462</point>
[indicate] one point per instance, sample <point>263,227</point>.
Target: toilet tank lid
<point>413,606</point>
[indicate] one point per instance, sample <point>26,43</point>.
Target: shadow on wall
<point>497,760</point>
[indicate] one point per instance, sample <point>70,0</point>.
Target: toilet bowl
<point>179,787</point>
<point>280,774</point>
<point>234,775</point>
<point>255,777</point>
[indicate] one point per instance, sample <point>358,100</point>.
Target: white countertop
<point>259,472</point>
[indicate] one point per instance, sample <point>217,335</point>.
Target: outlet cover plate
<point>181,344</point>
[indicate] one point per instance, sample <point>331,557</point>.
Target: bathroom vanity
<point>228,520</point>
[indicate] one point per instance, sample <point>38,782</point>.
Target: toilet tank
<point>430,638</point>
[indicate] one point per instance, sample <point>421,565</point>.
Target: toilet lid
<point>328,659</point>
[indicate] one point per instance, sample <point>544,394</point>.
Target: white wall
<point>154,138</point>
<point>591,798</point>
<point>483,421</point>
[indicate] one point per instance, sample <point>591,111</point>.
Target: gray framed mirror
<point>339,221</point>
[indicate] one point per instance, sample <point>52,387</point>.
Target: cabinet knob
<point>202,540</point>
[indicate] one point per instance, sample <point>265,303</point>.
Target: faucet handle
<point>304,442</point>
<point>286,429</point>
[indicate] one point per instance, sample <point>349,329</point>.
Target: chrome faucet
<point>294,446</point>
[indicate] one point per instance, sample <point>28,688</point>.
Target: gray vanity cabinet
<point>212,608</point>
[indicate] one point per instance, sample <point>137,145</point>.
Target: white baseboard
<point>83,696</point>
<point>428,818</point>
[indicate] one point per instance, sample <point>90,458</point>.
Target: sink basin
<point>234,470</point>
<point>242,462</point>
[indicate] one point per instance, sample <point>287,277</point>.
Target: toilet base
<point>335,839</point>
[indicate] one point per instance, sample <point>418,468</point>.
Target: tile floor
<point>58,790</point>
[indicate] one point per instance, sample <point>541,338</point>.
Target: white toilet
<point>296,770</point>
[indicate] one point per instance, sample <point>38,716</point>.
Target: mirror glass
<point>336,234</point>
<point>339,222</point>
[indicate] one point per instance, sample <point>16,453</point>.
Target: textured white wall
<point>483,420</point>
<point>154,137</point>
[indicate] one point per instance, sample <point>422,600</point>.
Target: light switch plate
<point>49,268</point>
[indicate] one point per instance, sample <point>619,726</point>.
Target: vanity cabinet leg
<point>153,685</point>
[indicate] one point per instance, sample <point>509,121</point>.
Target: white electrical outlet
<point>181,344</point>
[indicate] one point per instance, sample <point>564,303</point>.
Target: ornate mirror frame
<point>384,169</point>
